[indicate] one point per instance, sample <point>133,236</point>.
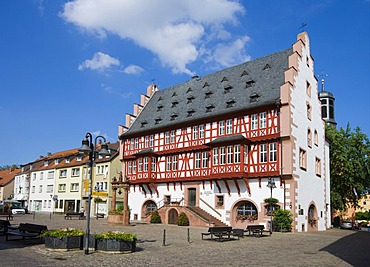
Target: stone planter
<point>65,243</point>
<point>115,218</point>
<point>115,246</point>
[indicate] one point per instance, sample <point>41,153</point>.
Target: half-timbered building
<point>209,146</point>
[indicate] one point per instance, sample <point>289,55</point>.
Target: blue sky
<point>68,68</point>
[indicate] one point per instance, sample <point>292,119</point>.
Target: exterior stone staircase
<point>205,216</point>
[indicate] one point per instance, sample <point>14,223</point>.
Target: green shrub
<point>282,220</point>
<point>155,218</point>
<point>183,220</point>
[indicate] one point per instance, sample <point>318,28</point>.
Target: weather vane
<point>322,75</point>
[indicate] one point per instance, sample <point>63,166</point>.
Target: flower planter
<point>115,246</point>
<point>114,218</point>
<point>64,243</point>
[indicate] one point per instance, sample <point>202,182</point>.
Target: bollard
<point>188,235</point>
<point>164,237</point>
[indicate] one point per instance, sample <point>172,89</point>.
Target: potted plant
<point>116,242</point>
<point>116,215</point>
<point>64,238</point>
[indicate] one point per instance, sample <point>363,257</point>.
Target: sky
<point>72,67</point>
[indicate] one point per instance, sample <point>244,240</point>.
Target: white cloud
<point>175,31</point>
<point>100,62</point>
<point>231,54</point>
<point>133,69</point>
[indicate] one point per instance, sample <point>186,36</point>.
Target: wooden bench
<point>220,233</point>
<point>255,230</point>
<point>70,215</point>
<point>26,230</point>
<point>8,216</point>
<point>4,224</point>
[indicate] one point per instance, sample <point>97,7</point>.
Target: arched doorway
<point>172,216</point>
<point>312,218</point>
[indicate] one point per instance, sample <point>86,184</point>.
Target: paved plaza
<point>183,246</point>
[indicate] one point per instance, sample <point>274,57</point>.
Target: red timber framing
<point>241,147</point>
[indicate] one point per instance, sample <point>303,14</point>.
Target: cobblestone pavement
<point>330,248</point>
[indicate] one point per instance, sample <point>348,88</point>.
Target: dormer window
<point>205,84</point>
<point>267,66</point>
<point>174,103</point>
<point>68,160</point>
<point>144,124</point>
<point>56,161</point>
<point>158,120</point>
<point>174,94</point>
<point>224,79</point>
<point>244,73</point>
<point>249,83</point>
<point>227,88</point>
<point>254,97</point>
<point>79,158</point>
<point>46,163</point>
<point>210,108</point>
<point>160,98</point>
<point>174,116</point>
<point>189,90</point>
<point>208,94</point>
<point>190,99</point>
<point>191,112</point>
<point>230,103</point>
<point>159,108</point>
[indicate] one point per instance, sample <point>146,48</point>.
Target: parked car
<point>18,210</point>
<point>350,225</point>
<point>346,225</point>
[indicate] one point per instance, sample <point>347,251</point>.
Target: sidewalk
<point>330,248</point>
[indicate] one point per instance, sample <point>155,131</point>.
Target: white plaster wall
<point>310,187</point>
<point>44,195</point>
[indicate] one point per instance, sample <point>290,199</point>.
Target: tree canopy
<point>349,166</point>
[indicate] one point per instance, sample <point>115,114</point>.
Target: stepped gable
<point>246,86</point>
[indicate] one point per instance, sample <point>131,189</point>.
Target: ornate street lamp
<point>271,185</point>
<point>89,148</point>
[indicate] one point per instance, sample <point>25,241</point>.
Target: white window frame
<point>263,153</point>
<point>236,153</point>
<point>221,127</point>
<point>215,156</point>
<point>229,151</point>
<point>263,120</point>
<point>229,126</point>
<point>254,122</point>
<point>273,152</point>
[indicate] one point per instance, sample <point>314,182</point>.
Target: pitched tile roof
<point>246,86</point>
<point>8,175</point>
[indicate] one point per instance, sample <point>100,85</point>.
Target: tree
<point>183,220</point>
<point>282,219</point>
<point>349,166</point>
<point>155,217</point>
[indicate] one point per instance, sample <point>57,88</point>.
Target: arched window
<point>150,207</point>
<point>246,211</point>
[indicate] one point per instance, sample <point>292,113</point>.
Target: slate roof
<point>246,86</point>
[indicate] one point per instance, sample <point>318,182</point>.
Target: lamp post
<point>89,148</point>
<point>97,200</point>
<point>271,185</point>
